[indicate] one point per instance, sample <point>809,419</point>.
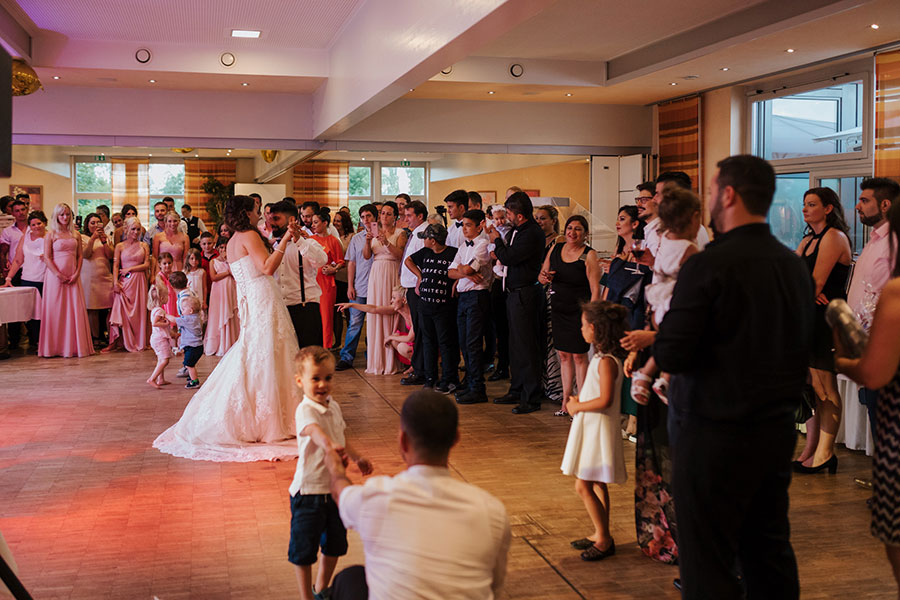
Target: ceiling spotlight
<point>364,158</point>
<point>103,154</point>
<point>244,33</point>
<point>245,84</point>
<point>196,156</point>
<point>673,83</point>
<point>412,89</point>
<point>149,155</point>
<point>56,77</point>
<point>152,81</point>
<point>568,95</point>
<point>490,93</point>
<point>790,50</point>
<point>724,69</point>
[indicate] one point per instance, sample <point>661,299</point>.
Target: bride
<point>245,410</point>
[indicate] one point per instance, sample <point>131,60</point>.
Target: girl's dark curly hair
<point>610,323</point>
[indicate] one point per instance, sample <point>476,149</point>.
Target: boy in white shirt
<point>315,520</point>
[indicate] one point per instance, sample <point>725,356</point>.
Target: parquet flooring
<point>90,510</point>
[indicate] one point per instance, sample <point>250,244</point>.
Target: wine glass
<point>638,247</point>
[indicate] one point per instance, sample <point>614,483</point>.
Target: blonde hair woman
<point>65,329</point>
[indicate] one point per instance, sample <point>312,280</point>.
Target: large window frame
<point>375,194</point>
<point>786,89</point>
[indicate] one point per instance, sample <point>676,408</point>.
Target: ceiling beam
<point>13,36</point>
<point>737,28</point>
<point>390,46</point>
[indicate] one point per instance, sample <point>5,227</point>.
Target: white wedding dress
<point>245,410</point>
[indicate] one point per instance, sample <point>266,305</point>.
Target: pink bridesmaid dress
<point>176,250</point>
<point>223,327</point>
<point>65,329</point>
<point>128,317</point>
<point>383,278</point>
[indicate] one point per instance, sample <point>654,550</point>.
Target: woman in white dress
<point>245,410</point>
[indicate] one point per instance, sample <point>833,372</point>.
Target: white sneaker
<point>182,372</point>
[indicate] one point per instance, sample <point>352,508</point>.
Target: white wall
<point>463,165</point>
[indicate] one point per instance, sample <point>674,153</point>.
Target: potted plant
<point>219,194</point>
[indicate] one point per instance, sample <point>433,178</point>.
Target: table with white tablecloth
<point>19,304</point>
<point>854,432</point>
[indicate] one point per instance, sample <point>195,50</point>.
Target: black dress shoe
<point>342,365</point>
<point>472,398</point>
<point>413,380</point>
<point>525,409</point>
<point>507,399</point>
<point>498,375</point>
<point>445,388</point>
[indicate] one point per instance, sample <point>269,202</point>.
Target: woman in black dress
<point>551,382</point>
<point>826,251</point>
<point>572,270</point>
<point>879,369</point>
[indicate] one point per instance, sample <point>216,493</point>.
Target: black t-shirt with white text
<point>436,284</point>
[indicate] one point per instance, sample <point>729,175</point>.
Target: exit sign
<point>100,158</point>
<point>404,163</point>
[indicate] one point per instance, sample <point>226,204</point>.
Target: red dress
<point>335,254</point>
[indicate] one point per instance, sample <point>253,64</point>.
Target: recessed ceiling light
<point>149,155</point>
<point>196,156</point>
<point>790,50</point>
<point>244,33</point>
<point>245,84</point>
<point>568,95</point>
<point>152,81</point>
<point>673,83</point>
<point>102,154</point>
<point>724,69</point>
<point>56,77</point>
<point>491,93</point>
<point>412,89</point>
<point>364,158</point>
<point>874,25</point>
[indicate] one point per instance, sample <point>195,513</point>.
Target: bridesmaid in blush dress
<point>128,318</point>
<point>325,276</point>
<point>172,241</point>
<point>96,275</point>
<point>224,326</point>
<point>65,330</point>
<point>387,248</point>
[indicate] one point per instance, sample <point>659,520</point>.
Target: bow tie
<point>458,223</point>
<point>470,243</point>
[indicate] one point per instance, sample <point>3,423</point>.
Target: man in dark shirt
<point>736,339</point>
<point>431,266</point>
<point>522,254</point>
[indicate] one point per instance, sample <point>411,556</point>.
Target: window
<point>166,179</point>
<point>847,189</point>
<point>786,214</point>
<point>360,189</point>
<point>93,186</point>
<point>818,122</point>
<point>397,180</point>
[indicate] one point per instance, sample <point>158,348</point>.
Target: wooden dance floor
<point>90,510</point>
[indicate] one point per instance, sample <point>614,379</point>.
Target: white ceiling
<point>283,23</point>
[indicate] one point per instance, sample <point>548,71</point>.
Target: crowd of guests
<point>650,340</point>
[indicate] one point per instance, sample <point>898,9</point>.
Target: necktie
<point>302,281</point>
<point>470,243</point>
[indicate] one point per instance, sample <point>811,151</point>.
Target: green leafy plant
<point>219,194</point>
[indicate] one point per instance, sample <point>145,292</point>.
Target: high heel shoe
<point>830,464</point>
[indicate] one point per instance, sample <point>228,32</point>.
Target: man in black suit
<point>737,340</point>
<point>521,254</point>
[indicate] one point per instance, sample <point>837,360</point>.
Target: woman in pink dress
<point>224,325</point>
<point>65,330</point>
<point>325,276</point>
<point>128,318</point>
<point>172,241</point>
<point>96,275</point>
<point>387,247</point>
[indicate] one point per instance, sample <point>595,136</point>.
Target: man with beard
<point>736,340</point>
<point>873,267</point>
<point>296,275</point>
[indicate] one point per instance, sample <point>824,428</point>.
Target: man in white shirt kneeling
<point>425,534</point>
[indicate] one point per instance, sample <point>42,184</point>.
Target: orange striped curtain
<point>887,115</point>
<point>131,185</point>
<point>679,137</point>
<point>326,182</point>
<point>196,172</point>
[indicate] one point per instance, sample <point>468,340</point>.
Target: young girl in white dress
<point>679,215</point>
<point>161,338</point>
<point>594,453</point>
<point>196,276</point>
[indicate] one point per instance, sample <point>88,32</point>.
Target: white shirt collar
<point>319,407</point>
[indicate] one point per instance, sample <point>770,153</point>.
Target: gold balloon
<point>24,80</point>
<point>269,155</point>
<point>182,150</point>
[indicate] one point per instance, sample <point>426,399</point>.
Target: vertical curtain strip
<point>131,185</point>
<point>196,173</point>
<point>887,115</point>
<point>679,137</point>
<point>326,182</point>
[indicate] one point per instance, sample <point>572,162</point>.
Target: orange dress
<point>335,253</point>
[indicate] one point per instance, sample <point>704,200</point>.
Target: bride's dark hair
<point>237,219</point>
<point>236,210</point>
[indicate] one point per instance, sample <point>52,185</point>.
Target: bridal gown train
<point>245,410</point>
